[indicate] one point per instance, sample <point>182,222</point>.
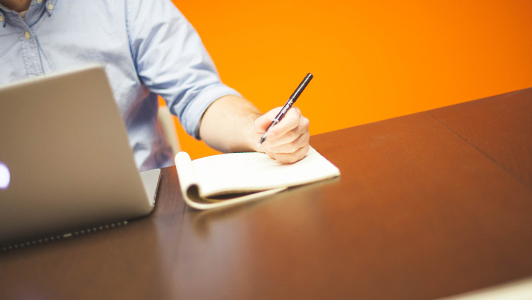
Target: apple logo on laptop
<point>5,177</point>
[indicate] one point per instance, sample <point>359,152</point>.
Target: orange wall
<point>371,60</point>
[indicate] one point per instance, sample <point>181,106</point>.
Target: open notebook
<point>227,179</point>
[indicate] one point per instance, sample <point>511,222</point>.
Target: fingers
<point>290,121</point>
<point>290,145</point>
<point>287,158</point>
<point>287,141</point>
<point>290,127</point>
<point>262,123</point>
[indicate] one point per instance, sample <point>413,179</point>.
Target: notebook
<point>65,161</point>
<point>227,179</point>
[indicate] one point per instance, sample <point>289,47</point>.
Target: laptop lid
<point>65,157</point>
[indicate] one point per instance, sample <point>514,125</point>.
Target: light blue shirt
<point>148,48</point>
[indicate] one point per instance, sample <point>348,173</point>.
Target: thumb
<point>262,123</point>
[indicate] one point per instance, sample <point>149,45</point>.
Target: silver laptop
<point>65,161</point>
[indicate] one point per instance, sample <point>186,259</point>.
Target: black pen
<point>288,104</point>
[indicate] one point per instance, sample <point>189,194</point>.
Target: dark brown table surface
<point>428,205</point>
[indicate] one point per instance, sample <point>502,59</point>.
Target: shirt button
<point>50,6</point>
<point>1,18</point>
<point>39,1</point>
<point>27,35</point>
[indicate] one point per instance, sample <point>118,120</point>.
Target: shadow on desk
<point>201,221</point>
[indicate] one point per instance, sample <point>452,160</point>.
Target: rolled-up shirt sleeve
<point>172,62</point>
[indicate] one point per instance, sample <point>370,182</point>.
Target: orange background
<point>371,60</point>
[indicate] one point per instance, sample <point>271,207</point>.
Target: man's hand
<point>233,124</point>
<point>287,141</point>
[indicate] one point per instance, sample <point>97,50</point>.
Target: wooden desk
<point>428,205</point>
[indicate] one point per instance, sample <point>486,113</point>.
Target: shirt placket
<point>30,49</point>
<point>30,53</point>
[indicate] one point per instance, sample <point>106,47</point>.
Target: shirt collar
<point>49,4</point>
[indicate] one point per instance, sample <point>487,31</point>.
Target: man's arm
<point>234,124</point>
<point>172,62</point>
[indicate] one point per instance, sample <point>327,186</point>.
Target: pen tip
<point>261,140</point>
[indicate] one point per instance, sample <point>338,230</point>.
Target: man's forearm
<point>227,125</point>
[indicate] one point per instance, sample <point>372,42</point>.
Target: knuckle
<point>305,122</point>
<point>290,122</point>
<point>291,136</point>
<point>297,111</point>
<point>305,150</point>
<point>290,148</point>
<point>294,114</point>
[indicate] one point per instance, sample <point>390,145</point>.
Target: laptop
<point>66,166</point>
